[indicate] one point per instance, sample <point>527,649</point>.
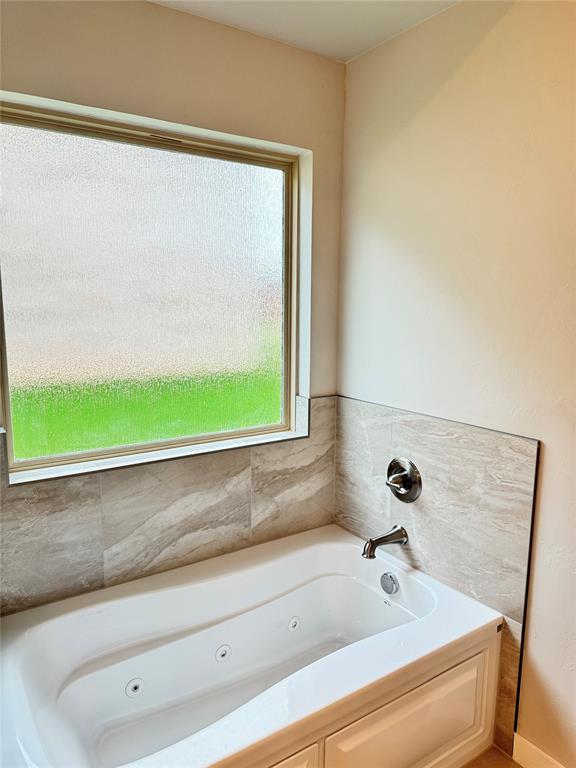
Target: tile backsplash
<point>51,541</point>
<point>470,528</point>
<point>173,513</point>
<point>71,535</point>
<point>293,482</point>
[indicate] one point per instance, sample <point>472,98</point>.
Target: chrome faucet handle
<point>400,482</point>
<point>404,479</point>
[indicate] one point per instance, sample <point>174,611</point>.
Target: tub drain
<point>134,687</point>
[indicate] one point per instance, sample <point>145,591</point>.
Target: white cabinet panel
<point>308,758</point>
<point>417,728</point>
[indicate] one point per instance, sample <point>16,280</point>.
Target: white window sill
<point>129,460</point>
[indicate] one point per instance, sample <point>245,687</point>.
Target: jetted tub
<point>248,658</point>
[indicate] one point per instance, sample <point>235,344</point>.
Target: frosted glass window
<point>143,293</point>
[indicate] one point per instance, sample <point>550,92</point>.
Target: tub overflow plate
<point>390,583</point>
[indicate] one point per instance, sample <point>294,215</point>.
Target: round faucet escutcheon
<point>404,479</point>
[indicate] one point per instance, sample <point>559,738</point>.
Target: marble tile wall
<point>471,526</point>
<point>508,687</point>
<point>62,537</point>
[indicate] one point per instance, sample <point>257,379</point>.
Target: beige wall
<point>148,60</point>
<point>459,274</point>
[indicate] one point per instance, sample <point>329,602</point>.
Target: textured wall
<point>471,526</point>
<point>62,537</point>
<point>458,275</point>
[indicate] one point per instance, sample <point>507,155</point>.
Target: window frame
<point>84,121</point>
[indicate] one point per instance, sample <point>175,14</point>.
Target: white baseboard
<point>529,756</point>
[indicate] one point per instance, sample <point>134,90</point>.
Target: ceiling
<point>338,29</point>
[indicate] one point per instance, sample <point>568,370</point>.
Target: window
<point>146,286</point>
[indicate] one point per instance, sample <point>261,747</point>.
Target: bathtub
<point>287,651</point>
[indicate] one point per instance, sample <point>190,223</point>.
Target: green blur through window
<point>144,293</point>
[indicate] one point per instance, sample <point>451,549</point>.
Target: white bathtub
<point>248,658</point>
